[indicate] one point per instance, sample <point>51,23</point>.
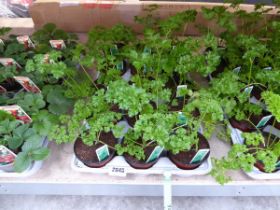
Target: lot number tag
<point>199,156</point>
<point>117,171</point>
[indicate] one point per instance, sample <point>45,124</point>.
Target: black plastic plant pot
<point>141,164</point>
<point>259,164</point>
<point>183,159</point>
<point>87,154</point>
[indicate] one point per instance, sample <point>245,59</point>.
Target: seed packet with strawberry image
<point>6,156</point>
<point>27,84</point>
<point>9,62</point>
<point>17,112</point>
<point>57,44</point>
<point>26,41</point>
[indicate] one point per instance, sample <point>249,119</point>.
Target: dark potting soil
<point>87,154</point>
<point>185,157</point>
<point>131,120</point>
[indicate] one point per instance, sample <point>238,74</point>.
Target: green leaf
<point>22,162</point>
<point>40,154</point>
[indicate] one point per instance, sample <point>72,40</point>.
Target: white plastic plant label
<point>127,75</point>
<point>6,156</point>
<point>263,121</point>
<point>26,41</point>
<point>181,90</point>
<point>58,44</point>
<point>199,156</point>
<point>2,42</point>
<point>155,154</point>
<point>248,89</point>
<point>182,119</point>
<point>102,153</point>
<point>27,84</point>
<point>147,50</point>
<point>2,89</point>
<point>117,171</point>
<point>114,50</point>
<point>86,124</point>
<point>17,112</point>
<point>237,69</point>
<point>9,62</point>
<point>236,136</point>
<point>277,166</point>
<point>269,68</point>
<point>120,66</point>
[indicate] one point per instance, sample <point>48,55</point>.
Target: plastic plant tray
<point>33,168</point>
<point>119,167</point>
<point>255,173</point>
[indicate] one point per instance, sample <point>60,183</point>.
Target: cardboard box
<point>82,15</point>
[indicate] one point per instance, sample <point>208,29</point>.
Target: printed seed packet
<point>2,89</point>
<point>9,62</point>
<point>102,153</point>
<point>26,41</point>
<point>155,154</point>
<point>57,44</point>
<point>6,156</point>
<point>17,112</point>
<point>27,84</point>
<point>199,156</point>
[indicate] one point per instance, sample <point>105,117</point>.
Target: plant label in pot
<point>57,44</point>
<point>277,166</point>
<point>249,89</point>
<point>269,68</point>
<point>27,84</point>
<point>182,119</point>
<point>2,42</point>
<point>7,158</point>
<point>9,62</point>
<point>263,121</point>
<point>2,89</point>
<point>199,156</point>
<point>26,41</point>
<point>17,112</point>
<point>181,91</point>
<point>237,69</point>
<point>120,66</point>
<point>114,50</point>
<point>155,154</point>
<point>102,153</point>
